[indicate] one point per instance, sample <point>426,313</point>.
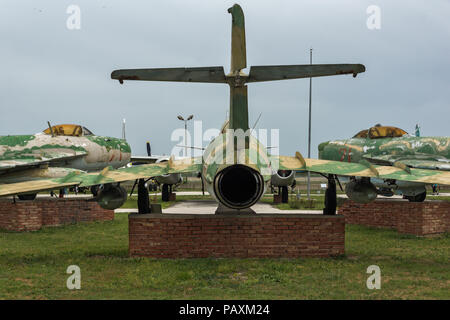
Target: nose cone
<point>123,146</point>
<point>126,147</point>
<point>322,146</point>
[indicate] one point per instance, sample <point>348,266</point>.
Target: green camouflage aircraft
<point>388,146</point>
<point>57,152</point>
<point>235,167</point>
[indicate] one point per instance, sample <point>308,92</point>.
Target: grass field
<point>33,266</point>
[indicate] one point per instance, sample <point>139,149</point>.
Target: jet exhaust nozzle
<point>283,178</point>
<point>238,186</point>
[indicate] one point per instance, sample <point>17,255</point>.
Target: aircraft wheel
<point>94,190</point>
<point>28,197</point>
<point>330,197</point>
<point>284,195</point>
<point>417,198</point>
<point>165,192</point>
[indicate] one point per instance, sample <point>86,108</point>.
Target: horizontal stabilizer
<point>268,73</point>
<point>202,74</point>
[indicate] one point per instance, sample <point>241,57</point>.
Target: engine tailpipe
<point>238,186</point>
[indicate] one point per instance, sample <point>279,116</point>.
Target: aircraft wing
<point>363,169</point>
<point>419,161</point>
<point>146,159</point>
<point>24,161</point>
<point>107,175</point>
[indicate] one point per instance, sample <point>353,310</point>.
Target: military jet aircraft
<point>56,152</point>
<point>167,181</point>
<point>388,146</point>
<point>235,166</point>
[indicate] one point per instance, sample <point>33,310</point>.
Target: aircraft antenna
<point>51,129</point>
<point>123,129</point>
<point>256,122</point>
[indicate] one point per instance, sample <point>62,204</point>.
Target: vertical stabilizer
<point>238,50</point>
<point>238,108</point>
<point>238,89</point>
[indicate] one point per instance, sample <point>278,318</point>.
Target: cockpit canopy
<point>379,132</point>
<point>71,130</point>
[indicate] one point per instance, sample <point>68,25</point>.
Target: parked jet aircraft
<point>56,152</point>
<point>235,170</point>
<point>166,180</point>
<point>389,146</point>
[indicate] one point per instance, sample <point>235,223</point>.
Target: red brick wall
<point>32,215</point>
<point>259,236</point>
<point>417,218</point>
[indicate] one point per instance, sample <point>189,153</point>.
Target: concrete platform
<point>208,207</point>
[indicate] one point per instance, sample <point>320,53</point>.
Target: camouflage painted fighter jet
<point>388,146</point>
<point>235,167</point>
<point>56,152</point>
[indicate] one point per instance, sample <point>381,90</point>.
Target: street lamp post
<point>185,131</point>
<point>309,127</point>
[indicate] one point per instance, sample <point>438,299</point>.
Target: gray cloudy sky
<point>52,73</point>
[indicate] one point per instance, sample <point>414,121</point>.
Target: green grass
<point>33,266</point>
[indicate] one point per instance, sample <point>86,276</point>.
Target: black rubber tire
<point>94,190</point>
<point>417,198</point>
<point>330,198</point>
<point>284,194</point>
<point>165,192</point>
<point>27,197</point>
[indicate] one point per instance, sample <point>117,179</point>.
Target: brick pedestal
<point>235,235</point>
<point>32,215</point>
<point>416,218</point>
<point>276,198</point>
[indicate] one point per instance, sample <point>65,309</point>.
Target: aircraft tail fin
<point>238,48</point>
<point>238,108</point>
<point>237,79</point>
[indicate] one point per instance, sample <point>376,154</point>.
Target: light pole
<point>185,131</point>
<point>309,127</point>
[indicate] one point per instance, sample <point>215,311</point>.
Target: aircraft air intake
<point>238,186</point>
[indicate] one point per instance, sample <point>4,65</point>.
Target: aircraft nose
<point>323,145</point>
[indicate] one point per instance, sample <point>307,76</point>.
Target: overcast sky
<point>49,72</point>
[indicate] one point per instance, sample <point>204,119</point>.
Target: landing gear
<point>166,192</point>
<point>417,198</point>
<point>284,194</point>
<point>143,200</point>
<point>330,197</point>
<point>28,197</point>
<point>94,190</point>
